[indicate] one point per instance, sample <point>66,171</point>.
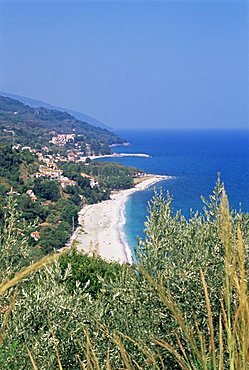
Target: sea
<point>194,158</point>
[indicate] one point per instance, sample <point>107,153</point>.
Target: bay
<point>194,157</point>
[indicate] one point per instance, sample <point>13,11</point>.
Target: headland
<point>115,155</point>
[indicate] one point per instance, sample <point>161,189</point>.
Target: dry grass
<point>27,271</point>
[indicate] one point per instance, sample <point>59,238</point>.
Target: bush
<point>90,273</point>
<point>47,189</point>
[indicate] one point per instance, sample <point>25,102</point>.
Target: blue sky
<point>165,64</point>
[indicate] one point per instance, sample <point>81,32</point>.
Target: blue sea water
<point>194,158</point>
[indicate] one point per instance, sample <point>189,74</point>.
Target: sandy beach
<point>99,230</point>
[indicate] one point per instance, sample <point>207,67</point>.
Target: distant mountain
<point>35,126</point>
<point>37,103</point>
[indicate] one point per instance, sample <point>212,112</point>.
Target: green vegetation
<point>47,189</point>
<point>54,210</point>
<point>91,273</point>
<point>110,176</point>
<point>184,305</point>
<point>22,124</point>
<point>14,166</point>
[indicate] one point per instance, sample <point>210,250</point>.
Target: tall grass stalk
<point>55,347</point>
<point>27,271</point>
<point>7,316</point>
<point>32,359</point>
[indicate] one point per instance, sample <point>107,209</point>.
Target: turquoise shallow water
<point>194,158</point>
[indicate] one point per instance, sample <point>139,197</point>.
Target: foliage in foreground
<point>183,306</point>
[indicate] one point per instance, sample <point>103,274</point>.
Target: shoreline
<point>100,229</point>
<point>114,155</point>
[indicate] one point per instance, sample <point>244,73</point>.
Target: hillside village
<point>50,186</point>
<point>49,169</point>
<point>40,127</point>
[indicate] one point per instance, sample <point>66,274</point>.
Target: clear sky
<point>131,63</point>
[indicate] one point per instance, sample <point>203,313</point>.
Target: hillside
<point>50,194</point>
<point>38,103</point>
<point>32,126</point>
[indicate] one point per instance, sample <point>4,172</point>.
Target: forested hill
<point>31,126</point>
<point>38,103</point>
